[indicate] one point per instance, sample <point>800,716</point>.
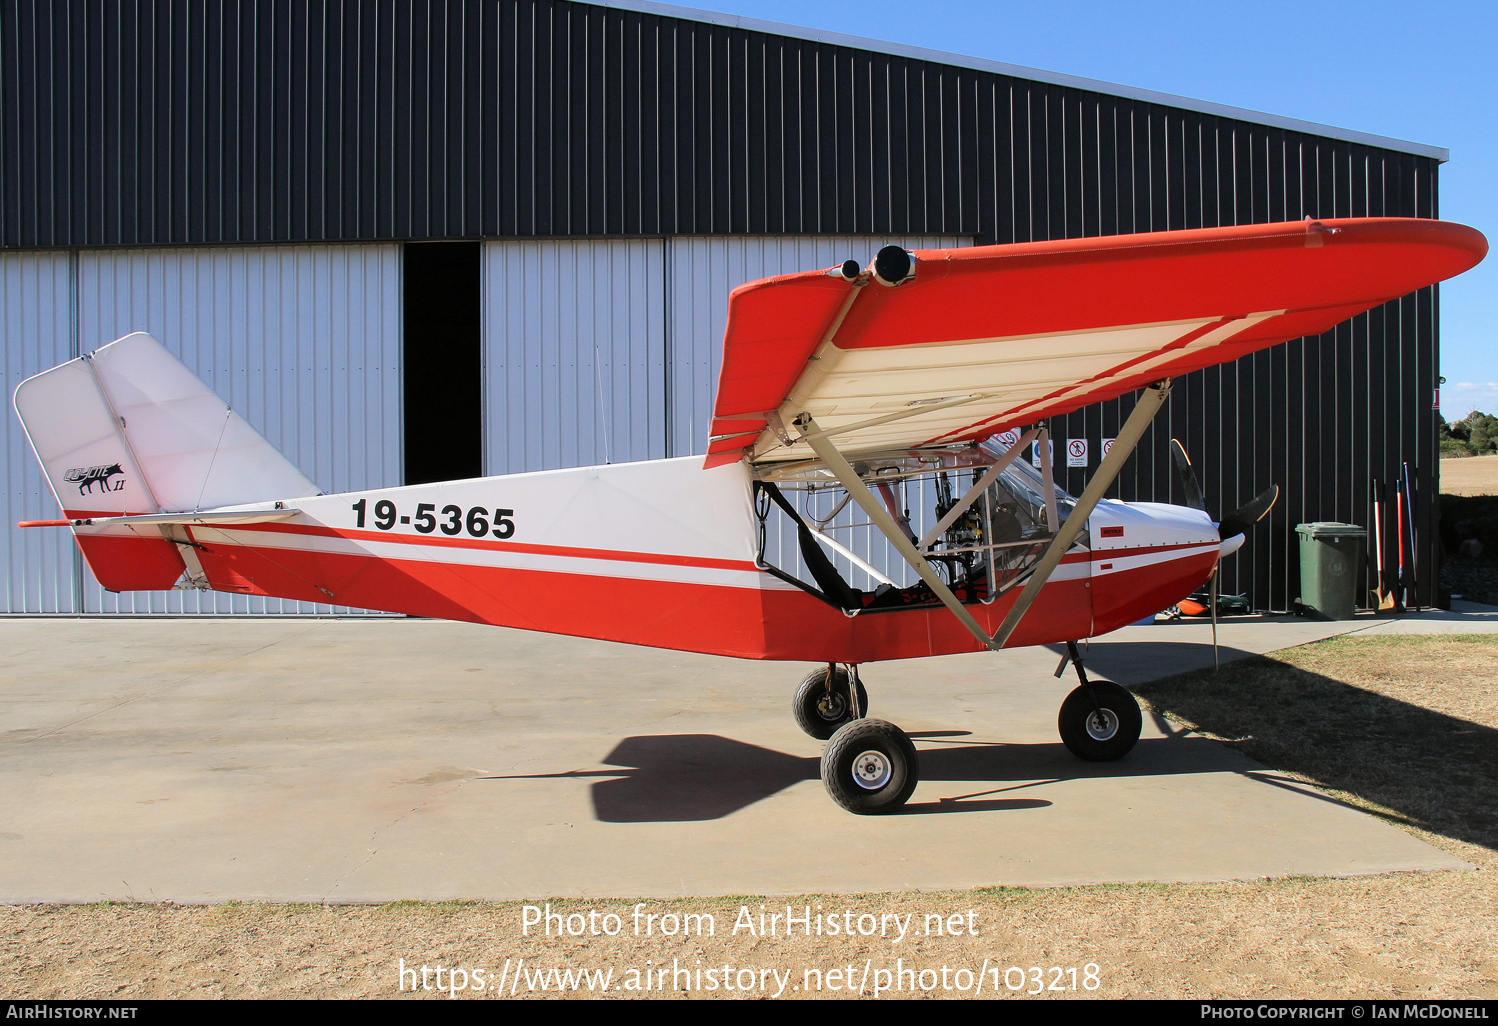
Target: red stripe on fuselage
<point>663,558</point>
<point>656,558</point>
<point>747,622</point>
<point>1145,550</point>
<point>1122,597</point>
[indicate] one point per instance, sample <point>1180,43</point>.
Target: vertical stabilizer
<point>139,433</point>
<point>129,429</point>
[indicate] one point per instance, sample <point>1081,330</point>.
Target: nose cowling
<point>1133,525</point>
<point>1146,556</point>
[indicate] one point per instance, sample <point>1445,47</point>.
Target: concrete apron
<point>198,760</point>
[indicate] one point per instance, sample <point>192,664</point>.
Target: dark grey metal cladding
<point>163,122</point>
<point>1318,416</point>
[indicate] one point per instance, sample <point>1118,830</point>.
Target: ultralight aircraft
<point>855,383</point>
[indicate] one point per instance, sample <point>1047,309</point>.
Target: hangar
<point>415,240</point>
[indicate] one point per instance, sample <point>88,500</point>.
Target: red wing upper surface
<point>997,336</point>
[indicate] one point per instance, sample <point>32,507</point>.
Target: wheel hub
<point>831,707</point>
<point>871,770</point>
<point>1102,724</point>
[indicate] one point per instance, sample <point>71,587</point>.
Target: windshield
<point>1026,488</point>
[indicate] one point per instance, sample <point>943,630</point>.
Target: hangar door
<point>303,341</point>
<point>600,351</point>
<point>607,350</point>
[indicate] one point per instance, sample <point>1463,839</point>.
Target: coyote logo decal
<point>86,477</point>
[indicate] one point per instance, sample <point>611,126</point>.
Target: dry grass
<point>1402,726</point>
<point>1472,475</point>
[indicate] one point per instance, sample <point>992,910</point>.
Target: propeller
<point>1187,476</point>
<point>1231,526</point>
<point>1235,523</point>
<point>1247,515</point>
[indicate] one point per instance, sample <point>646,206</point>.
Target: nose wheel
<point>1100,725</point>
<point>1099,721</point>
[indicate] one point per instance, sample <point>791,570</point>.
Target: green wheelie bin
<point>1331,557</point>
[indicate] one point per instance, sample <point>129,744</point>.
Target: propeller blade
<point>1250,513</point>
<point>1189,485</point>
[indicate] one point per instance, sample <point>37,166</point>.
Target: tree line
<point>1474,435</point>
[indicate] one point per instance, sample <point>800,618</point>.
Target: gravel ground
<point>1475,580</point>
<point>1406,727</point>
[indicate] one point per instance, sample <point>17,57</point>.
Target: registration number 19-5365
<point>449,519</point>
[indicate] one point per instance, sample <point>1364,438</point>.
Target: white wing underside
<point>982,379</point>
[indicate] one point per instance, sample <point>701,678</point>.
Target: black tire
<point>1104,741</point>
<point>820,714</point>
<point>870,767</point>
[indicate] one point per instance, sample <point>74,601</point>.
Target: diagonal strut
<point>1128,437</point>
<point>1145,409</point>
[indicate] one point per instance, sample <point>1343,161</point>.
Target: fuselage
<point>660,553</point>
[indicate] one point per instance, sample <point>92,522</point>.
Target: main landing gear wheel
<point>1103,730</point>
<point>819,711</point>
<point>870,767</point>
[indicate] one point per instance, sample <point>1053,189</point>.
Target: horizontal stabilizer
<point>224,517</point>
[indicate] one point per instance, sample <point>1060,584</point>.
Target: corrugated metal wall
<point>608,350</point>
<point>1317,416</point>
<point>574,337</point>
<point>601,351</point>
<point>37,331</point>
<point>703,270</point>
<point>164,123</point>
<point>159,122</point>
<point>303,341</point>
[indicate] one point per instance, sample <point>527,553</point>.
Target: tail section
<point>129,430</point>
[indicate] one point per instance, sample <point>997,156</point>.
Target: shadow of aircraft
<point>668,778</point>
<point>1415,765</point>
<point>1135,662</point>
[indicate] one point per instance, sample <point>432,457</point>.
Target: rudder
<point>128,430</point>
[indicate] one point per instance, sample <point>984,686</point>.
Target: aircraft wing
<point>981,339</point>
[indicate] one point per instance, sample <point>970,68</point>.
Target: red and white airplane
<point>851,382</point>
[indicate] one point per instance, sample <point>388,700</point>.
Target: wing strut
<point>880,516</point>
<point>1128,437</point>
<point>1145,409</point>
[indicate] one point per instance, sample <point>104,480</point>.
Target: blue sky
<point>1426,72</point>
